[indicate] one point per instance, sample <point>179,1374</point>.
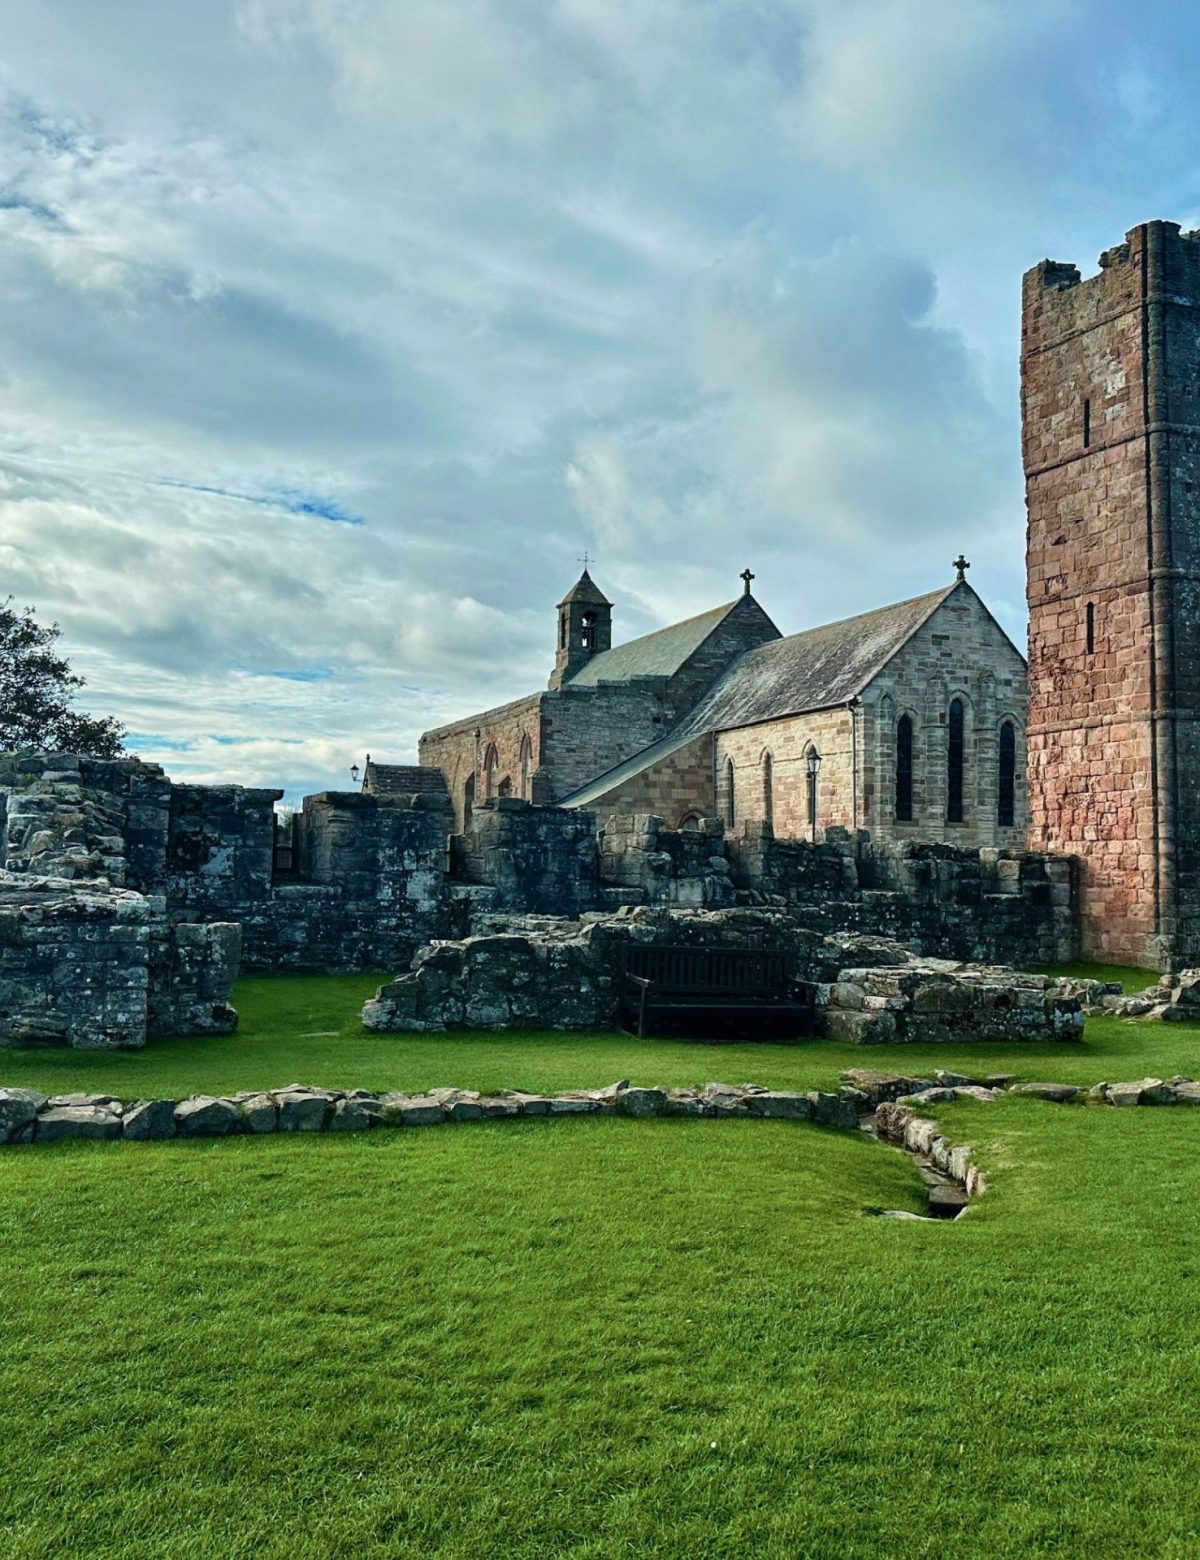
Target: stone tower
<point>1110,387</point>
<point>584,628</point>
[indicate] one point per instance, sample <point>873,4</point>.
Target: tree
<point>36,689</point>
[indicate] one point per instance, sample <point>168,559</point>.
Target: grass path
<point>522,1340</point>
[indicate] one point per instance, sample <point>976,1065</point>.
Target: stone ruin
<point>566,975</point>
<point>116,881</point>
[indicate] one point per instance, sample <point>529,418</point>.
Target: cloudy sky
<point>332,332</point>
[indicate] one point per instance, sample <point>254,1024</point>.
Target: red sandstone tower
<point>1110,389</point>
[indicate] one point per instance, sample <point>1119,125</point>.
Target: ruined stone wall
<point>460,751</point>
<point>220,848</point>
<point>787,742</point>
<point>536,858</point>
<point>639,854</point>
<point>1114,526</point>
<point>960,652</point>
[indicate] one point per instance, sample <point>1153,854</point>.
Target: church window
<point>690,823</point>
<point>730,810</point>
<point>505,787</point>
<point>468,802</point>
<point>955,756</point>
<point>904,769</point>
<point>1091,627</point>
<point>1006,806</point>
<point>1087,425</point>
<point>491,759</point>
<point>562,630</point>
<point>768,785</point>
<point>526,766</point>
<point>587,632</point>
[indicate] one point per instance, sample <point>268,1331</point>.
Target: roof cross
<point>961,564</point>
<point>746,576</point>
<point>585,560</point>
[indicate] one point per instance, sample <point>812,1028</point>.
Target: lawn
<point>597,1337</point>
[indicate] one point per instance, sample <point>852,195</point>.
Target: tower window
<point>587,632</point>
<point>1091,627</point>
<point>904,769</point>
<point>1087,424</point>
<point>1006,803</point>
<point>955,754</point>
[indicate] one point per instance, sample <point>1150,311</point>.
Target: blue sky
<point>334,331</point>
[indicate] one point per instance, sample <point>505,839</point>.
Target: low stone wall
<point>898,1123</point>
<point>938,1001</point>
<point>685,867</point>
<point>29,1117</point>
<point>537,859</point>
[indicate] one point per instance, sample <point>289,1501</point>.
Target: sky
<point>334,332</point>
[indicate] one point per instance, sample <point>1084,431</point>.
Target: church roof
<point>660,654</point>
<point>402,779</point>
<point>815,670</point>
<point>586,589</point>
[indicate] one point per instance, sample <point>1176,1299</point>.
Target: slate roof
<point>402,779</point>
<point>586,589</point>
<point>815,670</point>
<point>660,654</point>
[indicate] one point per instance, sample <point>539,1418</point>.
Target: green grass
<point>521,1339</point>
<point>306,1029</point>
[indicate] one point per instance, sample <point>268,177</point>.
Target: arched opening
<point>812,772</point>
<point>768,788</point>
<point>505,787</point>
<point>490,759</point>
<point>526,766</point>
<point>690,822</point>
<point>468,802</point>
<point>1006,798</point>
<point>955,762</point>
<point>904,769</point>
<point>587,631</point>
<point>729,812</point>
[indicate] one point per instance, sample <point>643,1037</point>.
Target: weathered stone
<point>306,1111</point>
<point>149,1119</point>
<point>356,1115</point>
<point>830,1110</point>
<point>76,1121</point>
<point>108,1102</point>
<point>260,1113</point>
<point>18,1107</point>
<point>793,1107</point>
<point>1059,1093</point>
<point>204,1116</point>
<point>417,1111</point>
<point>642,1102</point>
<point>947,1202</point>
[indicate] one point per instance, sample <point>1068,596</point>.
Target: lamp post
<point>354,773</point>
<point>814,769</point>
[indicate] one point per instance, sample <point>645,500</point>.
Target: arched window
<point>468,802</point>
<point>730,798</point>
<point>1006,800</point>
<point>955,754</point>
<point>812,770</point>
<point>526,765</point>
<point>768,786</point>
<point>490,759</point>
<point>505,787</point>
<point>587,631</point>
<point>904,769</point>
<point>690,823</point>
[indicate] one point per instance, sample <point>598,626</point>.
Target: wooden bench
<point>713,983</point>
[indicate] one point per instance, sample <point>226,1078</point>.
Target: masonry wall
<point>1114,524</point>
<point>787,742</point>
<point>679,788</point>
<point>959,653</point>
<point>460,751</point>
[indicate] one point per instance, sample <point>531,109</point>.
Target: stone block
<point>76,1121</point>
<point>205,1116</point>
<point>149,1119</point>
<point>18,1107</point>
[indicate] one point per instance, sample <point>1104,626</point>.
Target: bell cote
<point>584,628</point>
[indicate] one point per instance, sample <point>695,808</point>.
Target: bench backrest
<point>708,969</point>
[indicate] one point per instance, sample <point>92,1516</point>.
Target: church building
<point>908,721</point>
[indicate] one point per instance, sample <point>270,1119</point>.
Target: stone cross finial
<point>961,564</point>
<point>746,576</point>
<point>585,560</point>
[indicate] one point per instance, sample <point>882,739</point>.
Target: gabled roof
<point>586,589</point>
<point>402,779</point>
<point>660,654</point>
<point>815,670</point>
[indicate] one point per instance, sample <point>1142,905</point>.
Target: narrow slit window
<point>730,799</point>
<point>904,769</point>
<point>1006,807</point>
<point>954,763</point>
<point>1087,425</point>
<point>1091,627</point>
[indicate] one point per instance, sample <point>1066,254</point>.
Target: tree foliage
<point>37,686</point>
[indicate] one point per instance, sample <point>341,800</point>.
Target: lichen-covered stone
<point>18,1107</point>
<point>205,1116</point>
<point>76,1121</point>
<point>149,1119</point>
